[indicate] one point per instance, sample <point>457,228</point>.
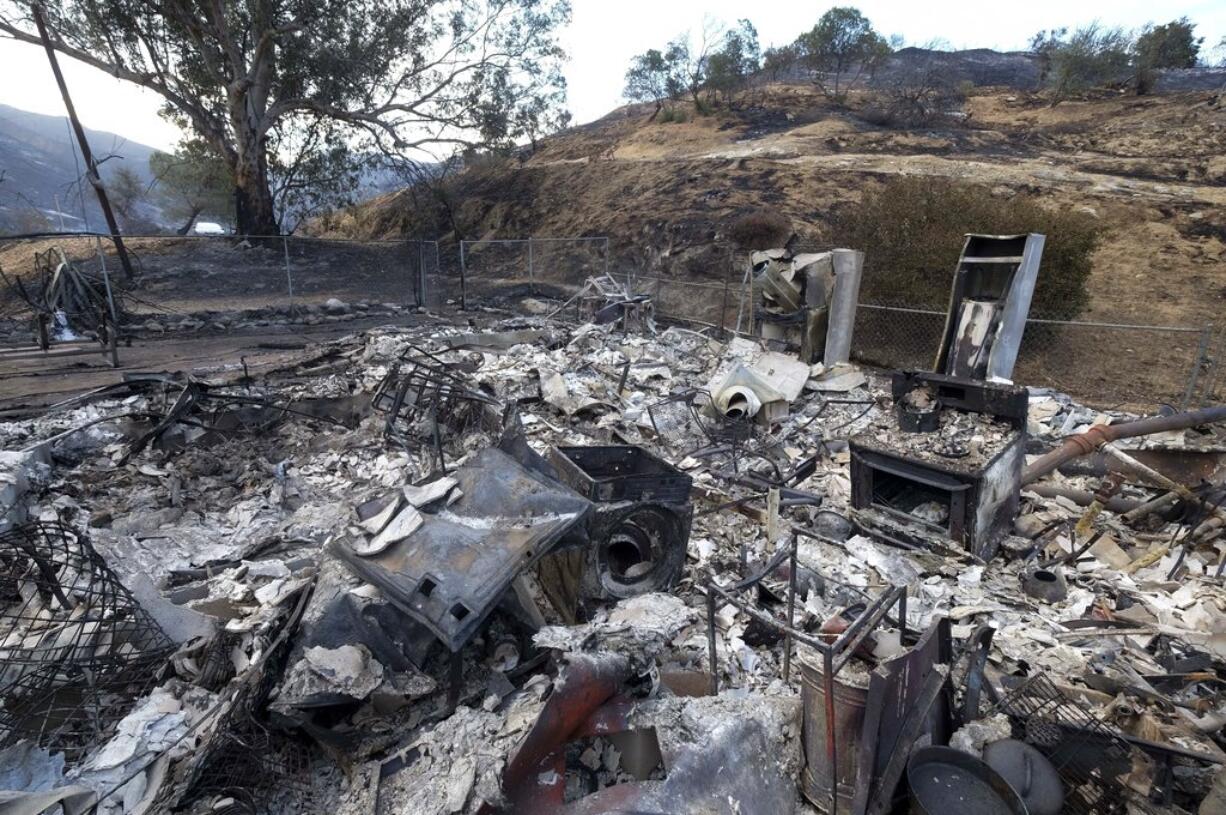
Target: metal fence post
<point>1213,375</point>
<point>1202,351</point>
<point>419,293</point>
<point>289,277</point>
<point>110,304</point>
<point>531,269</point>
<point>723,309</point>
<point>606,256</point>
<point>463,280</point>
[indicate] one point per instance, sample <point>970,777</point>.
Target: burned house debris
<point>949,459</point>
<point>988,305</point>
<point>809,301</point>
<point>70,312</point>
<point>498,563</point>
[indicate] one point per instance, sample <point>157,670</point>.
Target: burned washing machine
<point>640,527</point>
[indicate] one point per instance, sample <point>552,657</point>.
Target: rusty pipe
<point>587,683</point>
<point>1084,498</point>
<point>1085,443</point>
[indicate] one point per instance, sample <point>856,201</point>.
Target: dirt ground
<point>1152,169</point>
<point>28,385</point>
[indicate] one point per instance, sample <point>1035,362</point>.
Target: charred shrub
<point>912,230</point>
<point>760,229</point>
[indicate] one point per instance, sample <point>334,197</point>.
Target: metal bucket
<point>849,706</point>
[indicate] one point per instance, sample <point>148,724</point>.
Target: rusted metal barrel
<point>850,697</point>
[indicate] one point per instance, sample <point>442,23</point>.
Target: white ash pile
<point>376,560</point>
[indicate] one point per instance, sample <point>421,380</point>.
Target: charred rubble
<point>524,565</point>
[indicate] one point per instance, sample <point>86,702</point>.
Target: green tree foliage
<point>128,193</point>
<point>1172,45</point>
<point>191,182</point>
<point>912,230</point>
<point>841,47</point>
<point>714,64</point>
<point>730,68</point>
<point>656,76</point>
<point>779,61</point>
<point>1086,58</point>
<point>249,76</point>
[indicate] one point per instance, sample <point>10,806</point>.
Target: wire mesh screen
<point>247,767</point>
<point>896,337</point>
<point>439,286</point>
<point>677,421</point>
<point>1212,383</point>
<point>699,302</point>
<point>1156,361</point>
<point>197,274</point>
<point>76,650</point>
<point>546,267</point>
<point>1148,364</point>
<point>1090,757</point>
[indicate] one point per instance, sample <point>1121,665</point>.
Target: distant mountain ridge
<point>38,168</point>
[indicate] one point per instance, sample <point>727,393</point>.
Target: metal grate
<point>685,424</point>
<point>677,422</point>
<point>253,767</point>
<point>1090,757</point>
<point>76,650</point>
<point>422,391</point>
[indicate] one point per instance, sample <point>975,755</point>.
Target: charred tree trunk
<point>254,212</point>
<point>191,219</point>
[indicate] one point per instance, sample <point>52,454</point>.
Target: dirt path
<point>30,384</point>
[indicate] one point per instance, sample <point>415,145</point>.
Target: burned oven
<point>945,471</point>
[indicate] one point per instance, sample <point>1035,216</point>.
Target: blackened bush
<point>911,231</point>
<point>760,229</point>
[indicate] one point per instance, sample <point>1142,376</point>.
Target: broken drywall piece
<point>746,394</point>
<point>839,379</point>
<point>971,737</point>
<point>18,470</point>
<point>427,494</point>
<point>126,769</point>
<point>26,767</point>
<point>380,513</point>
<point>404,524</point>
<point>783,372</point>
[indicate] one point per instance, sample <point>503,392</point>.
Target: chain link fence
<point>1102,363</point>
<point>207,274</point>
<point>501,268</point>
<point>1209,386</point>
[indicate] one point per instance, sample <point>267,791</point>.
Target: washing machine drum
<point>636,549</point>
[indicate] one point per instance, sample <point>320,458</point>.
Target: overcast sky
<point>605,34</point>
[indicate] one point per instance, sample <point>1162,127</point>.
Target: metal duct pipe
<point>1098,435</point>
<point>1083,498</point>
<point>848,269</point>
